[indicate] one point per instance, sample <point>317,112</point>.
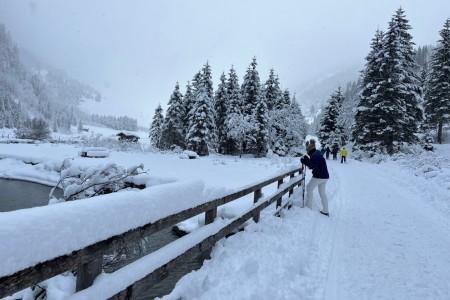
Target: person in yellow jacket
<point>343,155</point>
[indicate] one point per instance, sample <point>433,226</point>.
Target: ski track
<point>386,241</point>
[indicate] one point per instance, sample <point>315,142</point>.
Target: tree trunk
<point>439,133</point>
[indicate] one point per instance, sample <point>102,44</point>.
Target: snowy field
<point>387,235</point>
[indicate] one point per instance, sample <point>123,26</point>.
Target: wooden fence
<point>89,260</point>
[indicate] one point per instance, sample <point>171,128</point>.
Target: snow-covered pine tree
<point>259,146</point>
<point>278,124</point>
<point>437,99</point>
<point>172,129</point>
<point>188,103</point>
<point>288,129</point>
<point>207,80</point>
<point>251,89</point>
<point>156,127</point>
<point>221,106</point>
<point>368,125</point>
<point>208,86</point>
<point>80,126</point>
<point>424,78</point>
<point>240,129</point>
<point>202,120</point>
<point>234,111</point>
<point>330,132</point>
<point>272,90</point>
<point>285,101</point>
<point>296,129</point>
<point>196,80</point>
<point>399,86</point>
<point>347,115</point>
<point>252,96</point>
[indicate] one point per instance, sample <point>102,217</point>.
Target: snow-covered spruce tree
<point>296,129</point>
<point>278,124</point>
<point>201,122</point>
<point>172,129</point>
<point>369,122</point>
<point>11,114</point>
<point>240,129</point>
<point>36,129</point>
<point>156,127</point>
<point>251,89</point>
<point>272,90</point>
<point>277,131</point>
<point>188,103</point>
<point>80,126</point>
<point>259,147</point>
<point>347,116</point>
<point>437,99</point>
<point>252,96</point>
<point>221,106</point>
<point>208,85</point>
<point>330,132</point>
<point>285,101</point>
<point>288,129</point>
<point>399,86</point>
<point>234,112</point>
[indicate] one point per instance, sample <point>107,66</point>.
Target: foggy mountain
<point>30,88</point>
<point>313,94</point>
<point>61,87</point>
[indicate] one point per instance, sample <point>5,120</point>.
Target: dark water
<point>164,287</point>
<point>153,243</point>
<point>18,194</point>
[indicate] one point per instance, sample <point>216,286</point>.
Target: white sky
<point>134,52</point>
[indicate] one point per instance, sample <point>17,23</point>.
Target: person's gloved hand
<point>304,160</point>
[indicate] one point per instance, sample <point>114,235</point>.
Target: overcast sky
<point>134,52</point>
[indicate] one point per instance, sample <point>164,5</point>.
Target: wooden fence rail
<point>88,260</point>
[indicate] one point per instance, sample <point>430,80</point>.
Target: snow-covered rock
<point>187,154</point>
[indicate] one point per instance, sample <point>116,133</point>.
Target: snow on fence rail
<point>34,251</point>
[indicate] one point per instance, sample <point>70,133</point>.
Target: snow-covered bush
<point>112,144</point>
<point>426,164</point>
<point>79,183</point>
<point>35,129</point>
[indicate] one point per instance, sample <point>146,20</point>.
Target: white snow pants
<point>312,184</point>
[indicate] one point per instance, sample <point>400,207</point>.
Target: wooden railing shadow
<point>89,260</point>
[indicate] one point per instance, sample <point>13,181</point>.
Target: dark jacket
<point>318,165</point>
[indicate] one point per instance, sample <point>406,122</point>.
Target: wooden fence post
<point>88,272</point>
<point>210,215</point>
<point>257,195</point>
<point>291,191</point>
<point>280,182</point>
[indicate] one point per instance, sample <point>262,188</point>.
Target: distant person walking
<point>317,163</point>
<point>334,151</point>
<point>343,155</point>
<point>327,152</point>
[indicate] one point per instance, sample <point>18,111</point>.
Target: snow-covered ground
<point>386,238</point>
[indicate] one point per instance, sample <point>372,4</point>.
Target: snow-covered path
<point>382,241</point>
<point>388,244</point>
